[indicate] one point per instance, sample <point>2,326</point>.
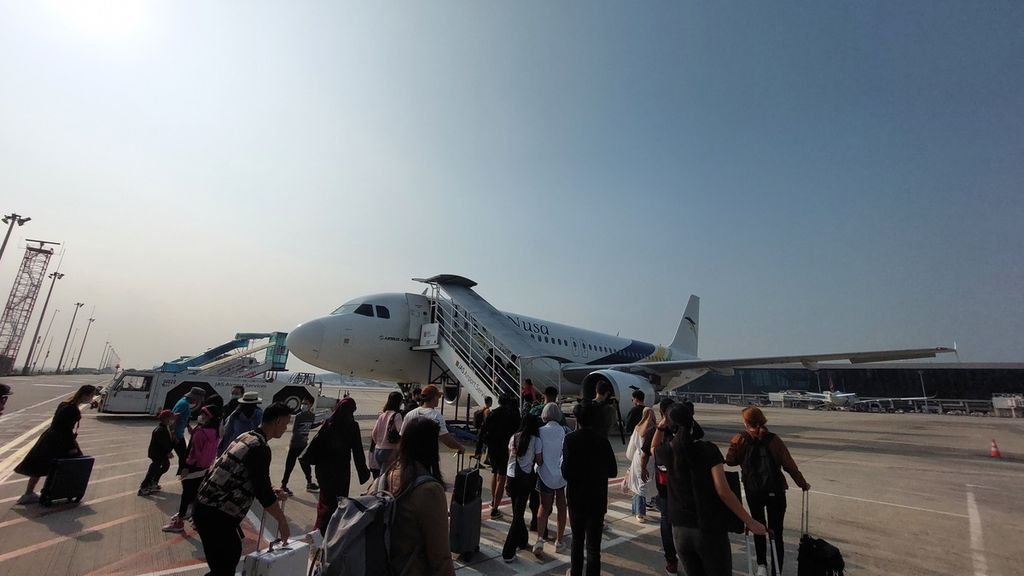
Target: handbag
<point>393,435</point>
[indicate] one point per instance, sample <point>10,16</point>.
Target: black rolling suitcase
<point>816,557</point>
<point>67,480</point>
<point>464,513</point>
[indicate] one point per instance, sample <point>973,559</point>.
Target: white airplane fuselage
<point>379,345</point>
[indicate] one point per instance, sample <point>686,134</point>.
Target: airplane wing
<point>666,367</point>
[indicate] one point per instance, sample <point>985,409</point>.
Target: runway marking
<point>190,568</point>
<point>3,418</point>
<point>13,444</point>
<point>918,508</point>
<point>56,385</point>
<point>7,482</point>
<point>8,464</point>
<point>58,511</point>
<point>58,540</point>
<point>977,543</point>
<point>101,481</point>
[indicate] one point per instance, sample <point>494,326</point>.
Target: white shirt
<point>424,412</point>
<point>552,435</point>
<point>526,460</point>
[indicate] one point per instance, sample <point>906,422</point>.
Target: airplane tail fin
<point>686,336</point>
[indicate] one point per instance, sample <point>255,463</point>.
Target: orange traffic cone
<point>995,450</point>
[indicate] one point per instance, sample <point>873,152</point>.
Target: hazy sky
<point>826,176</point>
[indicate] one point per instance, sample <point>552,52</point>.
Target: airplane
<point>374,337</point>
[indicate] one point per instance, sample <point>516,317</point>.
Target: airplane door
<point>586,353</point>
<point>575,346</point>
<point>419,312</point>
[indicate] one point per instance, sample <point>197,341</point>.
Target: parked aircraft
<point>374,337</point>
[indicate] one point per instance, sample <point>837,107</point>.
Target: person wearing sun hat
<point>245,418</point>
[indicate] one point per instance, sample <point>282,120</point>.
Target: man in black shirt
<point>587,463</point>
<point>240,475</point>
<point>636,413</point>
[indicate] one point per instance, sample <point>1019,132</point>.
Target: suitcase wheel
<point>45,502</point>
<point>76,499</point>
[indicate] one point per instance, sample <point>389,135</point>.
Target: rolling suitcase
<point>288,559</point>
<point>464,513</point>
<point>67,480</point>
<point>816,557</point>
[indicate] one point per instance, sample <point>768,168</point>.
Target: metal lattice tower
<point>20,304</point>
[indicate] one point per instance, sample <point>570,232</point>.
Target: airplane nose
<point>306,340</point>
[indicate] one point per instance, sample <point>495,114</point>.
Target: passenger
<point>202,451</point>
<point>419,532</point>
<point>495,434</point>
<point>528,404</point>
<point>245,418</point>
<point>587,463</point>
<point>524,452</point>
<point>300,437</point>
<point>698,497</point>
<point>240,475</point>
<point>639,479</point>
<point>161,446</point>
<point>528,388</point>
<point>236,394</point>
<point>480,415</point>
<point>5,391</point>
<point>659,445</point>
<point>385,436</point>
<point>762,456</point>
<point>183,409</point>
<point>58,441</point>
<point>429,398</point>
<point>333,450</point>
<point>550,483</point>
<point>607,410</point>
<point>636,412</point>
<point>413,401</point>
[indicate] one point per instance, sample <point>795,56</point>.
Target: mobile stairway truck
<point>217,371</point>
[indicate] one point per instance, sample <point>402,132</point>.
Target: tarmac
<point>897,493</point>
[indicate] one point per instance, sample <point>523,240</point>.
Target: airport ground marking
<point>893,504</point>
<point>179,570</point>
<point>66,509</point>
<point>54,541</point>
<point>7,465</point>
<point>101,481</point>
<point>977,542</point>
<point>101,467</point>
<point>4,418</point>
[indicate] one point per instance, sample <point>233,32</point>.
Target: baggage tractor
<point>464,513</point>
<point>287,559</point>
<point>816,557</point>
<point>67,480</point>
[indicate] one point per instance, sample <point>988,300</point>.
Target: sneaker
<point>312,487</point>
<point>672,567</point>
<point>641,519</point>
<point>175,525</point>
<point>496,514</point>
<point>29,498</point>
<point>561,547</point>
<point>538,548</point>
<point>762,570</point>
<point>145,491</point>
<point>508,560</point>
<point>287,490</point>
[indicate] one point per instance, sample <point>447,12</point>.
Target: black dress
<point>333,451</point>
<point>58,441</point>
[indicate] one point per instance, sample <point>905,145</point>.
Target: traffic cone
<point>995,450</point>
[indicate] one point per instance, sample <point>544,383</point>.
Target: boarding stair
<point>476,348</point>
<point>235,358</point>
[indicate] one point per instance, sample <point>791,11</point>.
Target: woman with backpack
<point>524,449</point>
<point>385,436</point>
<point>419,532</point>
<point>333,450</point>
<point>700,500</point>
<point>202,451</point>
<point>762,456</point>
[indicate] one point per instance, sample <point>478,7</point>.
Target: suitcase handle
<point>805,513</point>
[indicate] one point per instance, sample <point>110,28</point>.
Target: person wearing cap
<point>183,410</point>
<point>5,391</point>
<point>429,398</point>
<point>202,451</point>
<point>161,444</point>
<point>245,418</point>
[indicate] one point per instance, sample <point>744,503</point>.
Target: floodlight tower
<point>22,301</point>
<point>31,348</point>
<point>84,338</point>
<point>11,219</point>
<point>65,348</point>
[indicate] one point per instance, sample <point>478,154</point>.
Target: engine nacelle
<point>622,384</point>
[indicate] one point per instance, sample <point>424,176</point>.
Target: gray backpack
<point>358,538</point>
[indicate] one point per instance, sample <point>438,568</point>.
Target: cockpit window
<point>345,309</point>
<point>383,312</point>
<point>365,310</point>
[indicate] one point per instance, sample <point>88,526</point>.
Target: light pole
<point>84,338</point>
<point>65,348</point>
<point>55,276</point>
<point>924,393</point>
<point>45,336</point>
<point>11,219</point>
<point>103,357</point>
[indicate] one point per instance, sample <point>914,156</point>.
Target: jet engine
<point>622,384</point>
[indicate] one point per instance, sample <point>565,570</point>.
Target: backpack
<point>357,541</point>
<point>760,472</point>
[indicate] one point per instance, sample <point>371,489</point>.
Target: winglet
<point>686,335</point>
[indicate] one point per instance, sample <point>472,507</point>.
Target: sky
<point>828,177</point>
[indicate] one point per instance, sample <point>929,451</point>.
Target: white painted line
<point>101,467</point>
<point>53,541</point>
<point>977,543</point>
<point>13,444</point>
<point>919,509</point>
<point>56,385</point>
<point>181,570</point>
<point>3,418</point>
<point>7,465</point>
<point>91,483</point>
